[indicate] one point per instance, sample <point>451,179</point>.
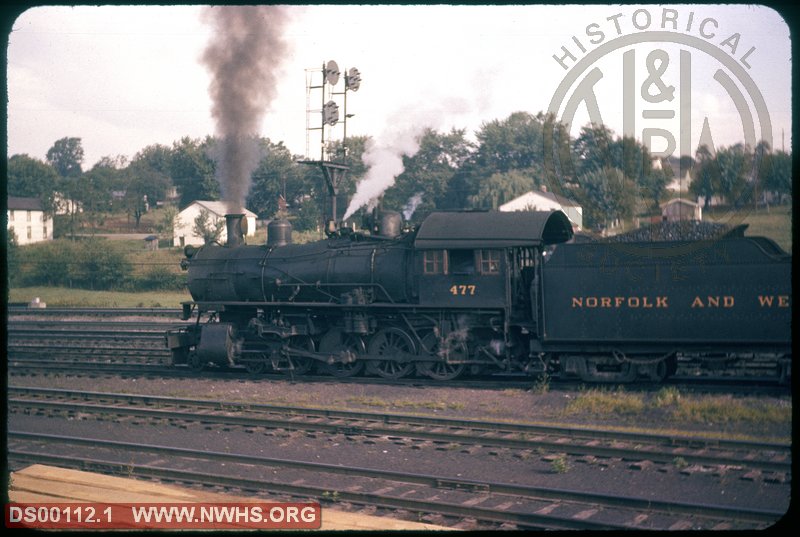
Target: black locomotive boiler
<point>481,291</point>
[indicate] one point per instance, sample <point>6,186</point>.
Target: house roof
<point>24,204</point>
<point>679,200</point>
<point>221,208</point>
<point>492,229</point>
<point>561,200</point>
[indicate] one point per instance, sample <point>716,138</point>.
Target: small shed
<point>680,209</point>
<point>151,242</point>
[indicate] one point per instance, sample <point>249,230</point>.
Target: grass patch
<point>61,297</point>
<point>144,261</point>
<point>726,409</point>
<point>677,407</point>
<point>775,224</point>
<point>383,403</point>
<point>666,396</point>
<point>606,402</point>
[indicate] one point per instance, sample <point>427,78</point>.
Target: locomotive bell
<point>279,233</point>
<point>237,227</point>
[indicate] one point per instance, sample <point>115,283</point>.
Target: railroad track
<point>83,342</point>
<point>488,502</point>
<point>770,458</point>
<point>25,311</point>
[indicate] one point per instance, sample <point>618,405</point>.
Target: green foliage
<point>723,174</point>
<point>542,384</point>
<point>777,173</point>
<point>429,173</point>
<point>206,228</point>
<point>192,171</point>
<point>726,409</point>
<point>279,175</point>
<point>89,264</point>
<point>505,149</point>
<point>308,215</point>
<point>604,402</point>
<point>12,258</point>
<point>612,177</point>
<point>31,178</point>
<point>81,298</point>
<point>606,195</point>
<point>560,464</point>
<point>160,277</point>
<point>680,463</point>
<point>66,157</point>
<point>667,396</point>
<point>169,220</point>
<point>500,188</point>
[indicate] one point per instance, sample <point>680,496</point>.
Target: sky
<point>121,78</point>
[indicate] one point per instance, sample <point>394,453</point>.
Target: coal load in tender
<point>679,231</point>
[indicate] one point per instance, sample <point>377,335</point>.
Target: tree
<point>12,258</point>
<point>516,143</point>
<point>733,166</point>
<point>654,185</point>
<point>31,178</point>
<point>428,174</point>
<point>705,178</point>
<point>501,188</point>
<point>278,175</point>
<point>778,172</point>
<point>169,221</point>
<point>594,149</point>
<point>606,195</point>
<point>192,170</point>
<point>147,181</point>
<point>66,157</point>
<point>208,228</point>
<point>93,189</point>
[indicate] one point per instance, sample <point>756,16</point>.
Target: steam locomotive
<point>477,291</point>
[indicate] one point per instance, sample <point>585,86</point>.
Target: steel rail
<point>50,311</point>
<point>481,433</point>
<point>528,492</point>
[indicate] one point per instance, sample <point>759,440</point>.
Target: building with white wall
<point>542,200</point>
<point>184,234</point>
<point>28,221</point>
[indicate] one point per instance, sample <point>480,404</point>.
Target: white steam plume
<point>384,156</point>
<point>411,205</point>
<point>243,57</point>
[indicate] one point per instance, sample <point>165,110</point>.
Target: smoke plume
<point>384,160</point>
<point>411,205</point>
<point>384,157</point>
<point>243,58</point>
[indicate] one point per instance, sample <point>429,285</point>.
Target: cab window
<point>488,261</point>
<point>434,262</point>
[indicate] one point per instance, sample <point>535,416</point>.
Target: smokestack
<point>236,229</point>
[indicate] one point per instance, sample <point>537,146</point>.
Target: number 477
<point>462,290</point>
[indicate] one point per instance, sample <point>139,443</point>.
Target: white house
<point>66,206</point>
<point>679,209</point>
<point>28,221</point>
<point>542,200</point>
<point>184,234</point>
